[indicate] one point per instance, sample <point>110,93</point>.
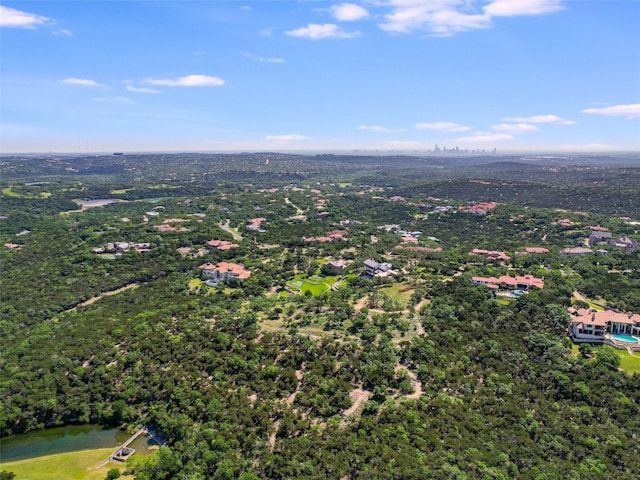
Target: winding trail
<point>299,211</point>
<point>106,294</point>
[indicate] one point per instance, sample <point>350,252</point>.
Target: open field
<point>400,292</point>
<point>73,465</point>
<point>11,193</point>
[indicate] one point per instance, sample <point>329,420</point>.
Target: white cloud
<point>84,82</point>
<point>541,119</point>
<point>10,17</point>
<point>630,111</point>
<point>442,127</point>
<point>187,81</point>
<point>510,8</point>
<point>135,89</point>
<point>378,129</point>
<point>245,7</point>
<point>315,31</point>
<point>515,128</point>
<point>63,32</point>
<point>286,138</point>
<point>257,58</point>
<point>349,12</point>
<point>446,17</point>
<point>485,137</point>
<point>112,100</point>
<point>439,16</point>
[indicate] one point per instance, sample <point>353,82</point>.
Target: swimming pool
<point>624,338</point>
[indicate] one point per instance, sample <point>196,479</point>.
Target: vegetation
<point>80,465</point>
<point>303,371</point>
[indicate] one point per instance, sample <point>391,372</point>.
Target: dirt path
<point>417,384</point>
<point>299,211</point>
<point>359,305</point>
<point>358,396</point>
<point>107,294</point>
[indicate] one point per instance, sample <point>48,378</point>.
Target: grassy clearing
<point>400,292</point>
<point>9,192</point>
<point>72,465</point>
<point>271,325</point>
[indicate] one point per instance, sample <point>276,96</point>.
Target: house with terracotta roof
<point>223,271</point>
<point>490,254</point>
<point>479,208</point>
<point>222,244</point>
<point>618,329</point>
<point>337,234</point>
<point>506,282</point>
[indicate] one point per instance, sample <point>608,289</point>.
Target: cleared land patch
<point>80,465</point>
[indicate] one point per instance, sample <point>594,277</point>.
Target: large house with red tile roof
<point>222,244</point>
<point>479,208</point>
<point>618,329</point>
<point>490,254</point>
<point>506,282</point>
<point>223,271</point>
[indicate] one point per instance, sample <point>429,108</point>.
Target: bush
<point>113,474</point>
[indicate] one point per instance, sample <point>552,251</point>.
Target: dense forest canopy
<point>310,367</point>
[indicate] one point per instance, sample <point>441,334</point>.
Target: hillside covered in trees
<point>358,344</point>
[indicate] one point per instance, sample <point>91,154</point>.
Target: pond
<point>67,439</point>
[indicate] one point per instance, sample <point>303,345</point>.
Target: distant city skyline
<point>371,75</point>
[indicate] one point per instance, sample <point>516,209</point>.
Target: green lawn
<point>315,284</point>
<point>81,465</point>
<point>628,363</point>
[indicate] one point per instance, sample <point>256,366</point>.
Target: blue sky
<point>402,75</point>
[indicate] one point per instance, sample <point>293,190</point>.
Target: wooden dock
<point>125,445</point>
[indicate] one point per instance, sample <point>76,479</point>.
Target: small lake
<point>67,439</point>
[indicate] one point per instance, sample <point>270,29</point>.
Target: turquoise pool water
<point>625,338</point>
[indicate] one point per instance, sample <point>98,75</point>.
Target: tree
<point>113,473</point>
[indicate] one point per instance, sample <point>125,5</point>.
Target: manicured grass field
<point>629,363</point>
<point>316,284</point>
<point>74,465</point>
